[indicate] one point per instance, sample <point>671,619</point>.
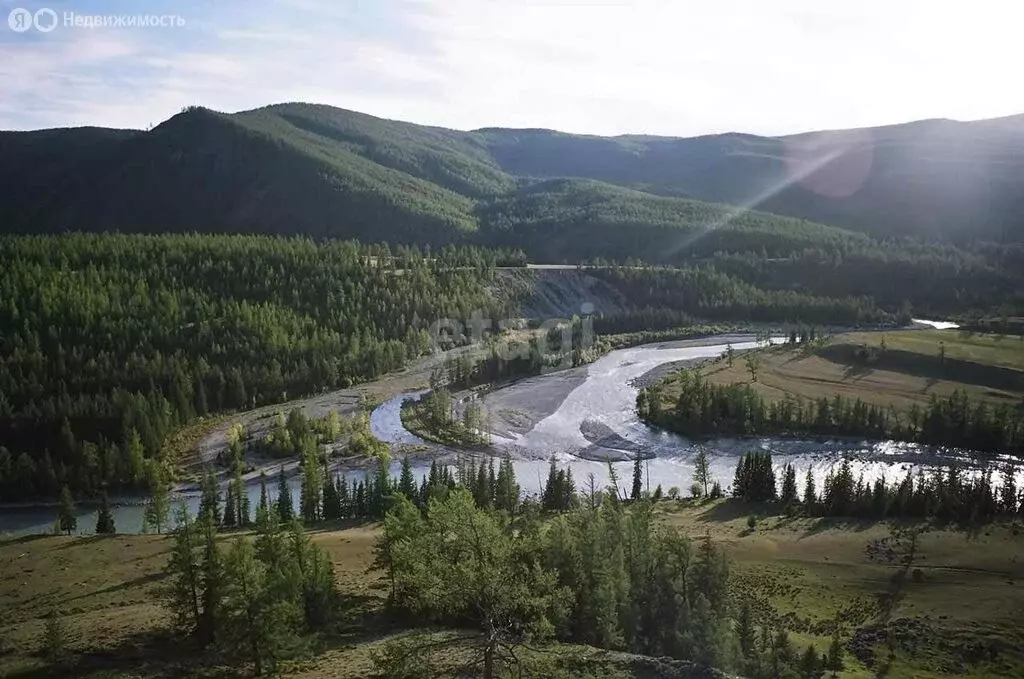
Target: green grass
<point>803,572</point>
<point>985,349</point>
<point>961,619</point>
<point>907,371</point>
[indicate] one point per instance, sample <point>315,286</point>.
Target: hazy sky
<point>661,67</point>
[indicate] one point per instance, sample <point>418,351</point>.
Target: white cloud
<point>649,66</point>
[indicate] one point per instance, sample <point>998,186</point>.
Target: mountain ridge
<point>323,171</point>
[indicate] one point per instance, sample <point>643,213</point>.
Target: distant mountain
<point>323,171</point>
<point>934,178</point>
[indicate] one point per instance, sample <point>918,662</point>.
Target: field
<point>891,368</point>
<point>958,617</point>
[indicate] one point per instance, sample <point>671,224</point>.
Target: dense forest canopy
<point>113,341</point>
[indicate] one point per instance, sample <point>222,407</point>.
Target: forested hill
<point>323,171</point>
<point>933,178</point>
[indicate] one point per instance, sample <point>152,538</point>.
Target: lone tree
<point>104,519</point>
<point>702,471</point>
<point>753,365</point>
<point>469,564</point>
<point>638,479</point>
<point>55,638</point>
<point>835,652</point>
<point>159,506</point>
<point>66,511</point>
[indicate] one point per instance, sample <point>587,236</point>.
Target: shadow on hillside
<point>855,371</point>
<point>149,654</point>
<point>121,586</point>
<point>730,510</point>
<point>825,523</point>
<point>84,541</point>
<point>22,539</point>
<point>921,365</point>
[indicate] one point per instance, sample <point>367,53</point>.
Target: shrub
<point>751,522</point>
<point>55,638</point>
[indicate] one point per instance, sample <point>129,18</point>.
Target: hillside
<point>204,171</point>
<point>957,619</point>
<point>302,168</point>
<point>932,178</point>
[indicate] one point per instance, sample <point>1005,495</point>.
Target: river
<point>594,424</point>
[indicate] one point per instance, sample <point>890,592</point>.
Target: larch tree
<point>66,518</point>
<point>104,518</point>
<point>702,471</point>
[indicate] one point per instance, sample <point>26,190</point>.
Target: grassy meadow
<point>896,369</point>
<point>958,617</point>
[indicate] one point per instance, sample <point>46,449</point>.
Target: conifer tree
<point>250,628</point>
<point>637,489</point>
<point>331,505</point>
<point>344,497</point>
<point>285,508</point>
<point>230,511</point>
<point>506,492</point>
<point>312,484</point>
<point>159,506</point>
<point>263,508</point>
<point>745,631</point>
<point>810,664</point>
<point>789,491</point>
<point>243,517</point>
<point>702,471</point>
<point>209,499</point>
<point>212,580</point>
<point>835,652</point>
<point>810,494</point>
<point>104,518</point>
<point>406,482</point>
<point>474,572</point>
<point>316,577</point>
<point>55,637</point>
<point>66,518</point>
<point>183,570</point>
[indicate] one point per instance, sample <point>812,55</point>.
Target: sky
<point>674,67</point>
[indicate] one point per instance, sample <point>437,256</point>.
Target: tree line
<point>950,494</point>
<point>259,600</point>
<point>464,549</point>
<point>707,293</point>
<point>590,569</point>
<point>706,409</point>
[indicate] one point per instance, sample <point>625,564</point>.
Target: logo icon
<point>45,20</point>
<point>20,20</point>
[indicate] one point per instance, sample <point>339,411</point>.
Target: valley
<point>680,416</point>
